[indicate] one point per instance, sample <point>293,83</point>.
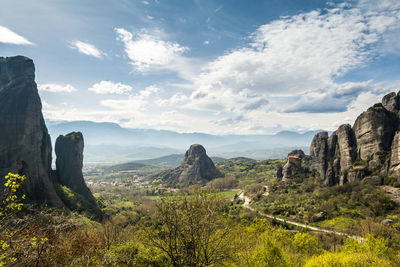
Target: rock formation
<point>69,163</point>
<point>25,146</point>
<point>374,130</point>
<point>195,168</point>
<point>293,164</point>
<point>279,173</point>
<point>319,153</point>
<point>371,148</point>
<point>346,149</point>
<point>395,156</point>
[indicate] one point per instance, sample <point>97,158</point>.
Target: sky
<point>212,66</point>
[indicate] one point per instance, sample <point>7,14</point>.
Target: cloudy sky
<point>213,66</point>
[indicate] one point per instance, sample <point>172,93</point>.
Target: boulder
<point>320,216</point>
<point>374,180</point>
<point>25,145</point>
<point>387,222</point>
<point>355,174</point>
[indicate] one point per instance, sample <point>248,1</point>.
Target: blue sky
<point>248,67</point>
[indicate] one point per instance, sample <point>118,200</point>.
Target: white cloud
<point>133,103</point>
<point>177,99</point>
<point>87,49</point>
<point>7,36</point>
<point>335,99</point>
<point>298,55</point>
<point>206,42</point>
<point>56,88</point>
<point>108,87</point>
<point>149,52</point>
<point>294,54</point>
<point>290,75</point>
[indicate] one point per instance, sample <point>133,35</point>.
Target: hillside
<point>171,160</point>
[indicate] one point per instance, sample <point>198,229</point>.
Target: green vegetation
<point>150,225</point>
<point>349,208</point>
<point>193,228</point>
<point>124,167</point>
<point>76,202</point>
<point>249,173</point>
<point>338,207</point>
<point>9,204</point>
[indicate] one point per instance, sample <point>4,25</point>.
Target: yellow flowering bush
<point>9,203</point>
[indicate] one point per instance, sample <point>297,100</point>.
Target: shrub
<point>269,253</point>
<point>347,259</point>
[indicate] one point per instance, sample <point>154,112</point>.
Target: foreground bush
<point>347,259</point>
<point>192,230</point>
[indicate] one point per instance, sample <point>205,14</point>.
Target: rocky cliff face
<point>395,155</point>
<point>374,130</point>
<point>25,146</point>
<point>368,149</point>
<point>196,167</point>
<point>69,163</point>
<point>293,164</point>
<point>319,153</point>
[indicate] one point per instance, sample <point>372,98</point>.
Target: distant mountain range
<point>109,142</point>
<point>170,160</point>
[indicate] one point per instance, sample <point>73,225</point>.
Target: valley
<point>199,133</point>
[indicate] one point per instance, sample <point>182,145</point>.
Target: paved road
<point>246,204</point>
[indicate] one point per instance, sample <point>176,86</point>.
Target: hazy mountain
<point>124,167</point>
<point>109,142</point>
<point>171,160</point>
<point>165,161</point>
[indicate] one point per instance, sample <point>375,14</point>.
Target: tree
<point>192,229</point>
<point>9,204</point>
<point>269,254</point>
<point>9,200</point>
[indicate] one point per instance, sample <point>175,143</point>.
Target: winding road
<point>246,204</point>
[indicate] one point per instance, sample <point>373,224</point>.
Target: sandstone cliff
<point>195,168</point>
<point>293,164</point>
<point>368,149</point>
<point>25,146</point>
<point>69,163</point>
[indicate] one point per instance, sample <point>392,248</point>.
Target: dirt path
<point>246,204</point>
